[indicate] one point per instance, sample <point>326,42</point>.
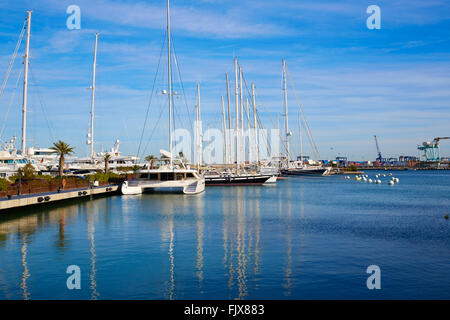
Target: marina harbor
<point>224,151</point>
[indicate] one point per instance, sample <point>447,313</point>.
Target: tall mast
<point>236,94</point>
<point>279,136</point>
<point>199,131</point>
<point>247,110</point>
<point>286,110</point>
<point>169,77</point>
<point>230,157</point>
<point>242,142</point>
<point>224,128</point>
<point>93,98</point>
<point>254,123</point>
<point>300,137</point>
<point>25,85</point>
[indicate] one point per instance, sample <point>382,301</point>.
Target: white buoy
<point>390,174</point>
<point>391,183</point>
<point>379,181</point>
<point>370,180</point>
<point>397,180</point>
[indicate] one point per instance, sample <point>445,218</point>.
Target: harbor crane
<point>431,149</point>
<point>379,158</point>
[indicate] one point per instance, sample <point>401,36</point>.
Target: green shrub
<point>4,184</point>
<point>102,177</point>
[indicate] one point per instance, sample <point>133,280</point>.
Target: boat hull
<point>237,180</point>
<point>186,187</point>
<point>304,172</point>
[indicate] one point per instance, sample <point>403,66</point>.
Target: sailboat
<point>10,159</point>
<point>297,168</point>
<point>172,174</point>
<point>238,177</point>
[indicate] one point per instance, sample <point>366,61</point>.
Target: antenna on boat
<point>25,84</point>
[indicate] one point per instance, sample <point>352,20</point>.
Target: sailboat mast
<point>169,77</point>
<point>300,137</point>
<point>199,131</point>
<point>93,98</point>
<point>242,142</point>
<point>286,110</point>
<point>236,93</point>
<point>224,128</point>
<point>247,110</point>
<point>255,123</point>
<point>25,85</point>
<point>230,157</point>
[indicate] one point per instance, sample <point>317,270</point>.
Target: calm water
<point>304,238</point>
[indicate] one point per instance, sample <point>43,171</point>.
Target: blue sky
<point>353,82</point>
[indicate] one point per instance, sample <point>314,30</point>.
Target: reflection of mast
<point>171,260</point>
<point>240,248</point>
<point>257,234</point>
<point>288,271</point>
<point>200,226</point>
<point>228,243</point>
<point>91,230</point>
<point>25,273</point>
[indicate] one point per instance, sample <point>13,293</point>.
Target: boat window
<point>180,176</point>
<point>165,176</point>
<point>189,175</point>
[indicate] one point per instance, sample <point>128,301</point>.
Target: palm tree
<point>62,149</point>
<point>107,158</point>
<point>151,158</point>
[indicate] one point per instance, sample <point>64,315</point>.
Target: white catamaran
<point>172,175</point>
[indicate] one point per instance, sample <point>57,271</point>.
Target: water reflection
<point>91,230</point>
<point>167,236</point>
<point>241,236</point>
<point>200,226</point>
<point>25,272</point>
<point>237,219</point>
<point>288,269</point>
<point>240,245</point>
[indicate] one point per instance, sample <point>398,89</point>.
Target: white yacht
<point>9,164</point>
<point>171,175</point>
<point>116,161</point>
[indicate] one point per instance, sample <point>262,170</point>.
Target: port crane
<point>431,149</point>
<point>379,158</point>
